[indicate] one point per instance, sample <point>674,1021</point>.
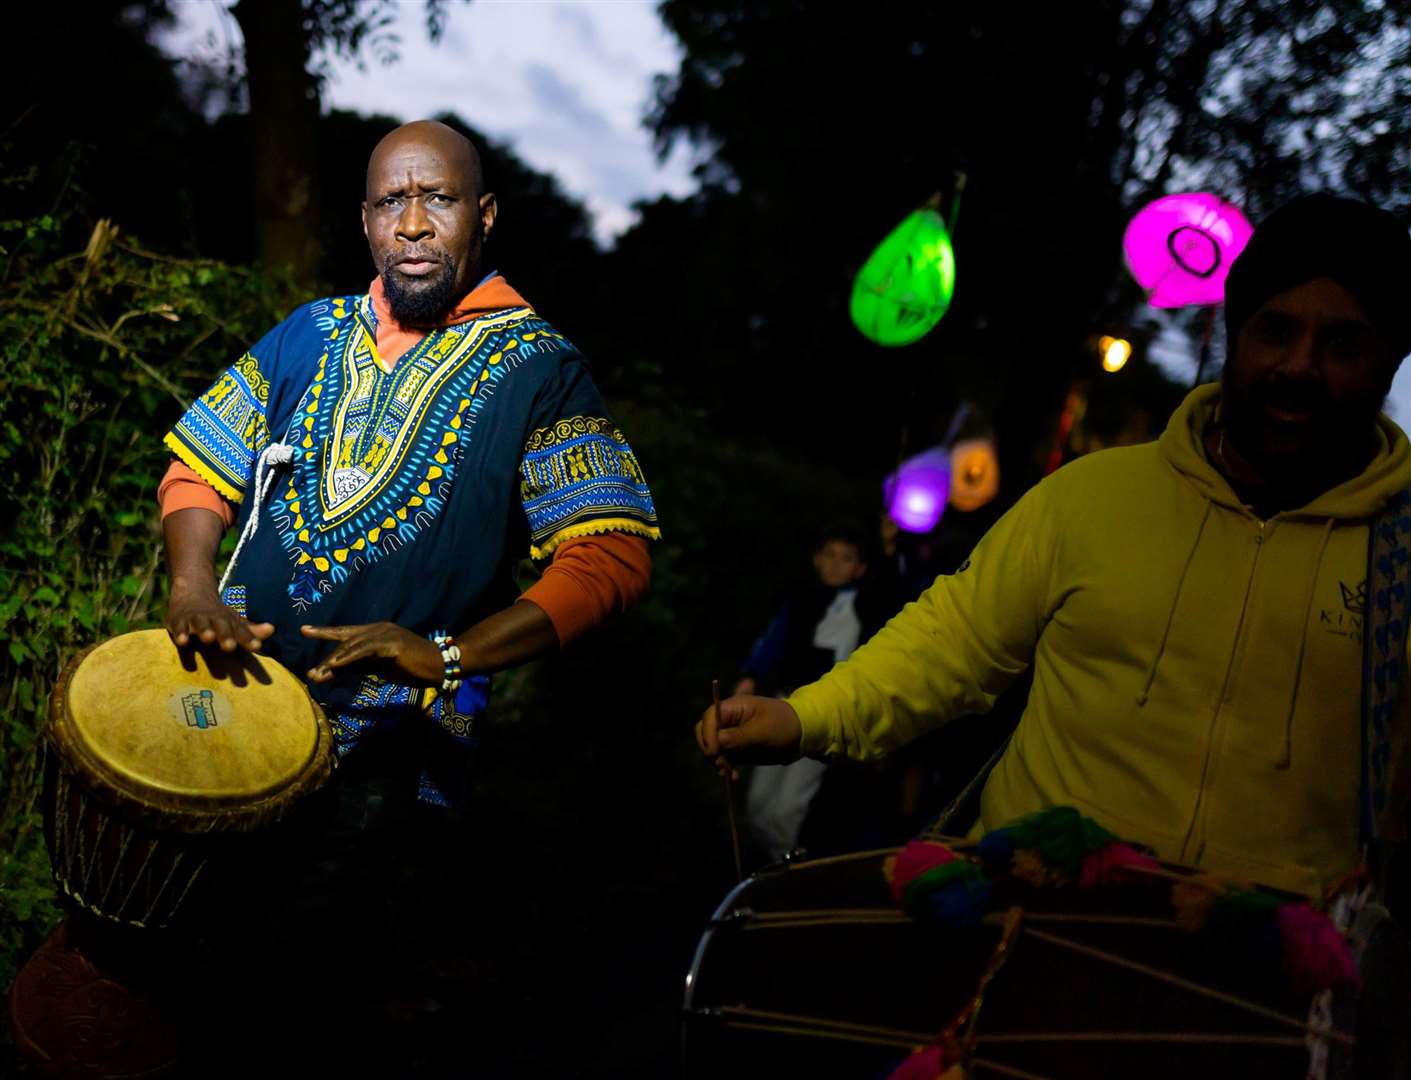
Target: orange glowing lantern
<point>974,473</point>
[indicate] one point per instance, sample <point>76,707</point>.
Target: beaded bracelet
<point>450,657</point>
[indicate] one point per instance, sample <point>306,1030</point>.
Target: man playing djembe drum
<point>437,431</point>
<point>1192,609</point>
<point>390,458</point>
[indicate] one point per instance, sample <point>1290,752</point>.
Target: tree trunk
<point>283,119</point>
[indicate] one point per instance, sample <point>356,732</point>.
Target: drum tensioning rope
<point>747,1018</point>
<point>1015,924</point>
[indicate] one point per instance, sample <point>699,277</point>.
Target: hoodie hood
<point>1182,446</point>
<point>494,293</point>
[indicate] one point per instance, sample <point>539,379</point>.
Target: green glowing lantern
<point>905,287</point>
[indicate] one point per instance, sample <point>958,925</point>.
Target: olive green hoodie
<point>1197,671</point>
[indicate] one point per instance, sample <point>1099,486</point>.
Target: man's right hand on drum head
<point>751,731</point>
<point>195,612</point>
<point>191,618</point>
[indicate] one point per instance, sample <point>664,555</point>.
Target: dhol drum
<point>810,970</point>
<point>160,760</point>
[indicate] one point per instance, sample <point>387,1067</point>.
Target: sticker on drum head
<point>199,708</point>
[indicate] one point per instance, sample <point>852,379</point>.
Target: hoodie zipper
<point>1194,845</point>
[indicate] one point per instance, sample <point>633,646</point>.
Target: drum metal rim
<point>693,973</point>
<point>186,813</point>
<point>719,918</point>
<point>726,906</point>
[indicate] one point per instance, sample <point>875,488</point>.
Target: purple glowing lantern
<point>916,493</point>
<point>1180,247</point>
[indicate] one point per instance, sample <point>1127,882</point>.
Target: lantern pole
<point>1205,344</point>
<point>957,421</point>
<point>958,189</point>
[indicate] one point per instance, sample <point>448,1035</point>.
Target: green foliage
<point>100,351</point>
<point>356,29</point>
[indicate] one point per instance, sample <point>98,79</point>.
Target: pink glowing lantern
<point>916,493</point>
<point>1180,247</point>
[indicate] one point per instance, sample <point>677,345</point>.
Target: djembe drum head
<point>166,766</point>
<point>185,737</point>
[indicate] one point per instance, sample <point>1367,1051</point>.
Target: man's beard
<point>422,301</point>
<point>1338,432</point>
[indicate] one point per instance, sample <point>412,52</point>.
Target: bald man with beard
<point>438,430</point>
<point>412,445</point>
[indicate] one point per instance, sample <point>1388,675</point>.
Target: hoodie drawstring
<point>1175,601</point>
<point>1286,760</point>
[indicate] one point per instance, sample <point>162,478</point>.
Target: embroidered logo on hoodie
<point>1347,620</point>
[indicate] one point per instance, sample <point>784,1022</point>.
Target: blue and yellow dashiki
<point>413,493</point>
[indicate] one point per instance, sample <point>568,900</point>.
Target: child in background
<point>817,627</point>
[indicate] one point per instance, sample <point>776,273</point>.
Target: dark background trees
<point>824,133</point>
<point>717,326</point>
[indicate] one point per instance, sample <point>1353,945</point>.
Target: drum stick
<point>729,789</point>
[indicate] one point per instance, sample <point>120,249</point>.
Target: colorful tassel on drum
<point>911,862</point>
<point>1265,934</point>
<point>930,881</point>
<point>1316,957</point>
<point>1060,836</point>
<point>955,895</point>
<point>928,1063</point>
<point>1256,931</point>
<point>1112,865</point>
<point>1057,846</point>
<point>1060,846</point>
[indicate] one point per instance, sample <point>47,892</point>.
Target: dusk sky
<point>566,84</point>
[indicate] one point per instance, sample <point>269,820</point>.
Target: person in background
<point>817,626</point>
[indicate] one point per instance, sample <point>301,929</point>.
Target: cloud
<point>565,84</point>
<point>578,23</point>
<point>562,103</point>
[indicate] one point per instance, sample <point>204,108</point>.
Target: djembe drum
<point>167,773</point>
<point>809,969</point>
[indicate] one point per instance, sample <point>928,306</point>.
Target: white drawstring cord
<point>274,454</point>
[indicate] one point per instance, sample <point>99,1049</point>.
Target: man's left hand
<point>415,658</point>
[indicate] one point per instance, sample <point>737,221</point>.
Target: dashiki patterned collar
<point>379,448</point>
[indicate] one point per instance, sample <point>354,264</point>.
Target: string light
<point>1115,352</point>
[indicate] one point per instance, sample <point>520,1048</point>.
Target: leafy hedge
<point>100,349</point>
